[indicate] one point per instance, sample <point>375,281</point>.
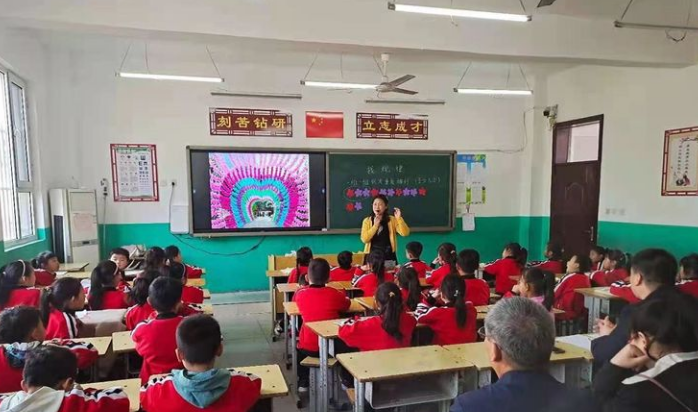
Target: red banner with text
<point>391,126</point>
<point>250,122</point>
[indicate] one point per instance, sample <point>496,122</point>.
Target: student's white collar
<point>661,366</point>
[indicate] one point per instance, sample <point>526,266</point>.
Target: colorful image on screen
<point>259,190</point>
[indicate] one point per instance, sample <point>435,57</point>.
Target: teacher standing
<point>379,231</point>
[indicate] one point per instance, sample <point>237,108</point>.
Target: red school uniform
<point>23,296</point>
<point>442,320</point>
<point>419,266</point>
<point>81,400</point>
<point>477,291</point>
<point>192,272</point>
<point>113,299</point>
<point>316,303</point>
<point>607,278</point>
<point>160,395</point>
<point>688,286</point>
<point>553,266</point>
<point>623,290</point>
<point>368,283</point>
<point>156,342</point>
<point>503,270</point>
<point>342,275</point>
<point>567,299</point>
<point>140,313</point>
<point>62,325</point>
<point>44,277</point>
<point>293,276</point>
<point>437,276</point>
<point>192,294</point>
<point>368,334</point>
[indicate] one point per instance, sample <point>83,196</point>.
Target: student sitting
<point>553,256</point>
<point>597,254</point>
<point>652,277</point>
<point>155,259</point>
<point>21,331</point>
<point>565,296</point>
<point>173,254</point>
<point>414,251</point>
<point>507,269</point>
<point>120,256</point>
<point>299,274</point>
<point>688,275</point>
<point>200,386</point>
<point>316,302</point>
<point>345,271</point>
<point>45,265</point>
<point>17,286</point>
<point>391,329</point>
<point>477,290</point>
<point>155,338</point>
<point>656,369</point>
<point>48,385</point>
<point>104,292</point>
<point>539,286</point>
<point>410,290</point>
<point>614,269</point>
<point>455,321</point>
<point>447,259</point>
<point>58,306</point>
<point>369,282</point>
<point>190,294</point>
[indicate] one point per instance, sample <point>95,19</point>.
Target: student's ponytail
<point>622,259</point>
<point>10,276</point>
<point>303,257</point>
<point>141,284</point>
<point>447,253</point>
<point>522,257</point>
<point>35,263</point>
<point>453,290</point>
<point>41,260</point>
<point>154,258</point>
<point>101,279</point>
<point>58,295</point>
<point>377,261</point>
<point>543,284</point>
<point>548,289</point>
<point>390,302</point>
<point>409,279</point>
<point>45,305</point>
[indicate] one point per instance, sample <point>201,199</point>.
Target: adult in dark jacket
<point>519,336</point>
<point>664,349</point>
<point>652,276</point>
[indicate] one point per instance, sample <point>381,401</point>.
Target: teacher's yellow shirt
<point>395,226</point>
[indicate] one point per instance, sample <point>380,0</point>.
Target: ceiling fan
<point>544,3</point>
<point>391,86</point>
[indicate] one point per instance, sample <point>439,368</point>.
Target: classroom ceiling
<point>568,32</point>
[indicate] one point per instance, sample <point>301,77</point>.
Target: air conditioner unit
<point>74,224</point>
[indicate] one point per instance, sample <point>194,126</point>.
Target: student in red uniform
<point>200,386</point>
<point>369,282</point>
<point>553,259</point>
<point>408,281</point>
<point>104,292</point>
<point>687,283</point>
<point>597,254</point>
<point>447,259</point>
<point>155,338</point>
<point>345,270</point>
<point>155,259</point>
<point>48,385</point>
<point>477,290</point>
<point>121,257</point>
<point>565,296</point>
<point>299,274</point>
<point>539,286</point>
<point>17,285</point>
<point>316,302</point>
<point>58,306</point>
<point>414,251</point>
<point>45,265</point>
<point>455,322</point>
<point>614,269</point>
<point>190,294</point>
<point>173,254</point>
<point>391,328</point>
<point>507,269</point>
<point>21,331</point>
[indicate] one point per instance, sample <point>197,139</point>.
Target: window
<point>578,143</point>
<point>16,183</point>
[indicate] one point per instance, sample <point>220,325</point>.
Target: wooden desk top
<point>279,273</point>
<point>483,310</point>
<point>77,275</point>
<point>401,363</point>
<point>328,329</point>
<point>122,342</point>
<point>476,353</point>
<point>369,302</point>
<point>132,387</point>
<point>207,294</point>
<point>273,382</point>
<point>423,283</point>
<point>601,293</point>
<point>101,344</point>
<point>291,308</point>
<point>196,282</point>
<point>73,267</point>
<point>293,287</point>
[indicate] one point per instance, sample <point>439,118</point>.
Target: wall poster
<point>470,181</point>
<point>680,165</point>
<point>134,172</point>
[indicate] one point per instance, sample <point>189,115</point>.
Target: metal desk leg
<point>323,402</point>
<point>360,401</point>
<point>286,343</point>
<point>272,296</point>
<point>294,350</point>
<point>444,405</point>
<point>591,304</point>
<point>484,378</point>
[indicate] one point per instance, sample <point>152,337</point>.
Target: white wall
<point>638,105</point>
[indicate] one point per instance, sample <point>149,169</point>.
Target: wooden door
<point>576,173</point>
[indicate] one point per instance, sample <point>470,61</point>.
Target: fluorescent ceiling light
<point>629,25</point>
<point>259,95</point>
<point>473,14</point>
<point>494,92</point>
<point>150,76</point>
<point>337,85</point>
<point>407,101</point>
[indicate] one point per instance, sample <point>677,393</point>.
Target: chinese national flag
<point>324,124</point>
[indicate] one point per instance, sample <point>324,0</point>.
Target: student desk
<point>400,377</point>
<point>101,344</point>
<point>598,300</point>
<point>570,367</point>
<point>369,302</point>
<point>73,267</point>
<point>273,384</point>
<point>207,294</point>
<point>196,282</point>
<point>105,321</point>
<point>482,311</point>
<point>77,275</point>
<point>132,387</point>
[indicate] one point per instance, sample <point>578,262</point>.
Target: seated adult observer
<point>520,335</point>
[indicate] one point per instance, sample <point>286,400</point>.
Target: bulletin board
<point>680,166</point>
<point>134,172</point>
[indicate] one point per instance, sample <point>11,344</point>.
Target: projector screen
<point>237,191</point>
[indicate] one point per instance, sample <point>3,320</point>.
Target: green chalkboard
<point>419,184</point>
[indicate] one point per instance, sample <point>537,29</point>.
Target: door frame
<point>571,123</point>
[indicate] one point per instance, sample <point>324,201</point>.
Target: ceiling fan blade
<point>544,3</point>
<point>403,91</point>
<point>401,80</point>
